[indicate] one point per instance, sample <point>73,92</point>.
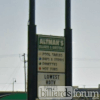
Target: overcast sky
<point>50,16</point>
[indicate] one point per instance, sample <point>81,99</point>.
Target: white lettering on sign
<point>50,42</point>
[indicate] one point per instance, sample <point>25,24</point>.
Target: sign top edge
<point>42,35</point>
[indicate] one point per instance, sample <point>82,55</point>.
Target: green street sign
<point>51,43</point>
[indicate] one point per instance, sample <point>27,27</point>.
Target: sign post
<point>32,51</point>
<point>68,44</point>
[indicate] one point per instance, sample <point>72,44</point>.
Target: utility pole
<point>32,53</point>
<point>84,86</point>
<point>68,44</point>
<point>24,70</point>
<point>14,80</point>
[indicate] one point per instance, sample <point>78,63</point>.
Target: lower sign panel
<point>51,79</point>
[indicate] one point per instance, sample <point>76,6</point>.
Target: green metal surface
<point>51,43</point>
<point>15,96</point>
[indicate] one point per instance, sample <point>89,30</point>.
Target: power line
<point>86,59</point>
<point>10,67</point>
<point>12,74</point>
<point>86,67</point>
<point>11,83</point>
<point>9,55</point>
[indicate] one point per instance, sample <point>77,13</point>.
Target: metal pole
<point>32,53</point>
<point>14,80</point>
<point>25,70</point>
<point>68,44</point>
<point>13,86</point>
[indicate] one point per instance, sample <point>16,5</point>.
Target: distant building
<point>86,93</point>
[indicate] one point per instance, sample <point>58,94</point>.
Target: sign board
<point>51,54</point>
<point>51,79</point>
<point>51,61</point>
